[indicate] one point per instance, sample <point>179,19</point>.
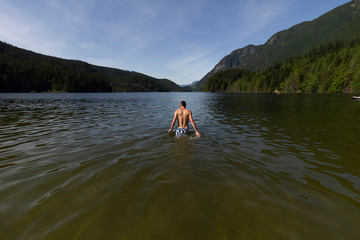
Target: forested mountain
<point>25,71</point>
<point>330,68</point>
<point>342,23</point>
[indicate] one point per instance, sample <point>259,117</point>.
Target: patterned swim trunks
<point>182,131</point>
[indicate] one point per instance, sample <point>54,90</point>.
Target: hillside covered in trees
<point>341,23</point>
<point>330,68</point>
<point>25,71</point>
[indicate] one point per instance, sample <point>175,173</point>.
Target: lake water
<point>102,166</point>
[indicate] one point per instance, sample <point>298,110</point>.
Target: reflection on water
<point>102,166</point>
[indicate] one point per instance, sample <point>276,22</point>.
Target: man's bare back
<point>183,116</point>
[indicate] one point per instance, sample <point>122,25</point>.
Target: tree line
<point>330,68</point>
<point>25,71</point>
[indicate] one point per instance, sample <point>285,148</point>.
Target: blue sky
<point>178,40</point>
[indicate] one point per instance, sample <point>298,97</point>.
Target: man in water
<point>183,116</point>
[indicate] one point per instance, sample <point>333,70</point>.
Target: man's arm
<point>173,122</point>
<point>194,125</point>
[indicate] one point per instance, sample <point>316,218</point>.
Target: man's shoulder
<point>187,111</point>
<point>178,112</point>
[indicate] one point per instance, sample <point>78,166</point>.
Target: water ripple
<point>102,166</point>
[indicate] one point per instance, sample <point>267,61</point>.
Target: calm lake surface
<point>102,166</point>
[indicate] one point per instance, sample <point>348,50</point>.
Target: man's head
<point>183,104</point>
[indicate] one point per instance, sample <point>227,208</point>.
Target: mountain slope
<point>25,71</point>
<point>342,23</point>
<point>330,68</point>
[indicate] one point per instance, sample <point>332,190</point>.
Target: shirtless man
<point>183,115</point>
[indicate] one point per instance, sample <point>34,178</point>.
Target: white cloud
<point>26,31</point>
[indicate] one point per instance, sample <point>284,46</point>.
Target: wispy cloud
<point>49,29</point>
<point>22,29</point>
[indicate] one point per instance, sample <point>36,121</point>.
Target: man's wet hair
<point>183,103</point>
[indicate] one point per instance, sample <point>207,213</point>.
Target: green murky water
<point>102,166</point>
